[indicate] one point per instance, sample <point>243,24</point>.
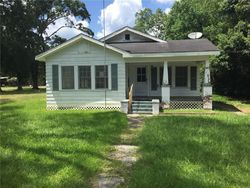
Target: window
<point>169,75</point>
<point>141,74</point>
<point>127,36</point>
<point>84,73</point>
<point>181,76</point>
<point>67,77</point>
<point>101,77</point>
<point>193,80</point>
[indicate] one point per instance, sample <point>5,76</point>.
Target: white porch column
<point>207,88</point>
<point>165,90</point>
<point>207,78</point>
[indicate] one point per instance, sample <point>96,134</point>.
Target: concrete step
<point>141,112</point>
<point>142,105</point>
<point>142,109</point>
<point>141,102</point>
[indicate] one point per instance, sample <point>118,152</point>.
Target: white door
<point>138,75</point>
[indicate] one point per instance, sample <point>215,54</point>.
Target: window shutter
<point>153,78</point>
<point>114,77</point>
<point>55,79</point>
<point>193,79</point>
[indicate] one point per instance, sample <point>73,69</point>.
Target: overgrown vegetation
<point>193,151</point>
<point>225,22</point>
<point>40,148</point>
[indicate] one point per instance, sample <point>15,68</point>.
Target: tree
<point>29,19</point>
<point>225,23</point>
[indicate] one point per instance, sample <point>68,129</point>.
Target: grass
<point>40,148</point>
<point>193,151</point>
<point>230,104</point>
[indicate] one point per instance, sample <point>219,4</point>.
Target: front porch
<point>177,85</point>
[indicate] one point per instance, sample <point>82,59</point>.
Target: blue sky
<point>118,13</point>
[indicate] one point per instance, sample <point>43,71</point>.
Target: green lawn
<point>42,148</point>
<point>193,151</point>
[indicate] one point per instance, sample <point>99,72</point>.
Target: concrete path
<point>125,153</point>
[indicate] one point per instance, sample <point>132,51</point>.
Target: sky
<point>118,13</point>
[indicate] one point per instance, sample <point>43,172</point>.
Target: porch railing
<point>130,97</point>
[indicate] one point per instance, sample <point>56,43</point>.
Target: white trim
<point>133,31</point>
<point>177,54</point>
<point>44,55</point>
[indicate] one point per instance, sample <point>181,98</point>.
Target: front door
<point>139,77</point>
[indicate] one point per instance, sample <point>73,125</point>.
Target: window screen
<point>127,36</point>
<point>141,74</point>
<point>193,81</point>
<point>181,76</point>
<point>84,73</point>
<point>101,77</point>
<point>67,77</point>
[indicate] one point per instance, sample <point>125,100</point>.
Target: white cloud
<point>118,14</point>
<point>167,10</point>
<point>65,32</point>
<point>166,1</point>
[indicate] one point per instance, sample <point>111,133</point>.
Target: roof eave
<point>175,54</point>
<point>44,55</point>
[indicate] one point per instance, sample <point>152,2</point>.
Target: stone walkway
<point>125,153</point>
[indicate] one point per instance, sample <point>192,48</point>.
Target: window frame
<point>106,76</point>
<point>181,77</point>
<point>127,36</point>
<point>84,76</point>
<point>62,77</point>
<point>141,75</point>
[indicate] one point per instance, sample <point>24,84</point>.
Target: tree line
<point>23,33</point>
<point>224,22</point>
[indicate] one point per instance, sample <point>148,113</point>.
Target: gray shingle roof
<point>172,46</point>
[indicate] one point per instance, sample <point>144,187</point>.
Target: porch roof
<point>171,46</point>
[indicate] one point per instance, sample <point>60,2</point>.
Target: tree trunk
<point>19,82</point>
<point>34,75</point>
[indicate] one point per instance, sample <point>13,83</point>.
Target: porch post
<point>207,88</point>
<point>165,90</point>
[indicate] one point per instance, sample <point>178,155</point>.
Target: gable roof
<point>126,28</point>
<point>172,46</point>
<point>42,56</point>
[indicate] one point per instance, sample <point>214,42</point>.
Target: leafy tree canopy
<point>224,22</point>
<point>23,31</point>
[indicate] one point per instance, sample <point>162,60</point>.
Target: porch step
<point>141,107</point>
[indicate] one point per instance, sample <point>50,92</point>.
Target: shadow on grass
<point>38,148</point>
<point>221,106</point>
<point>193,152</point>
<point>24,91</point>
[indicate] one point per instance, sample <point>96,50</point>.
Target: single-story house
<point>85,73</point>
